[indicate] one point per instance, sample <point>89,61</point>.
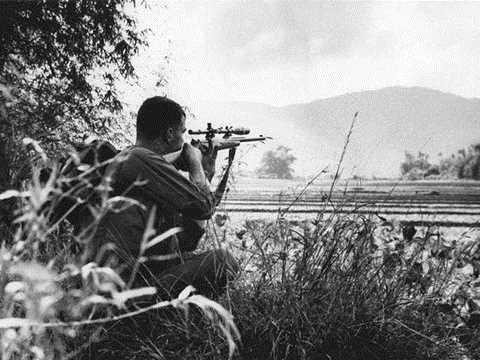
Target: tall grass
<point>353,292</point>
<point>340,286</point>
<point>54,305</point>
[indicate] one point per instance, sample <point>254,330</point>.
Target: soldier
<point>147,174</point>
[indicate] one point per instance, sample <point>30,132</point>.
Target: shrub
<point>338,286</point>
<point>465,164</point>
<point>343,288</point>
<point>53,305</point>
<point>59,67</point>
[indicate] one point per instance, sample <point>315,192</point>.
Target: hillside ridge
<point>391,121</point>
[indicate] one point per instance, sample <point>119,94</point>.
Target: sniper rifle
<point>227,141</point>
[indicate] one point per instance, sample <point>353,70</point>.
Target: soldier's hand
<point>209,157</point>
<point>193,160</point>
<point>192,156</point>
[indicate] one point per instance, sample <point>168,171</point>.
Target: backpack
<point>81,173</point>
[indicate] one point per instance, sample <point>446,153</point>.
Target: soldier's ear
<point>169,135</point>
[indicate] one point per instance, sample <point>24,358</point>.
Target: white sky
<point>283,52</point>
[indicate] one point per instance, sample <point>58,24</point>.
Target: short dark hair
<point>156,115</point>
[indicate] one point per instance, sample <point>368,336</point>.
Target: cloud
<point>281,52</point>
<point>249,34</point>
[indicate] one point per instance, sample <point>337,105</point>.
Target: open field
<point>442,203</point>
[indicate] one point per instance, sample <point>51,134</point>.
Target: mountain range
<point>390,122</point>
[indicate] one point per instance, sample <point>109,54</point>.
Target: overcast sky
<point>283,52</point>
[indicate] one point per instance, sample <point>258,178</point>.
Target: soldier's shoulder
<point>135,151</point>
<point>138,153</point>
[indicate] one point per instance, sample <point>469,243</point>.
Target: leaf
<point>75,158</point>
<point>140,182</point>
<point>161,304</point>
<point>6,93</point>
<point>71,270</point>
<point>143,259</point>
<point>120,203</point>
<point>111,275</point>
<point>87,269</point>
<point>476,302</point>
<point>90,140</point>
<point>121,297</point>
<point>158,239</point>
<point>104,278</point>
<point>14,286</point>
<point>467,270</point>
<point>425,267</point>
<point>11,193</point>
<point>6,323</point>
<point>33,272</point>
<point>24,218</point>
<point>210,307</point>
<point>207,304</point>
<point>46,303</point>
<point>95,299</point>
<point>149,229</point>
<point>83,167</point>
<point>36,146</point>
<point>186,293</point>
<point>230,340</point>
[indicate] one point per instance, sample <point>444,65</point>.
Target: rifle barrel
<point>242,139</point>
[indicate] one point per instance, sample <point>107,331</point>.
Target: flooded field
<point>425,203</point>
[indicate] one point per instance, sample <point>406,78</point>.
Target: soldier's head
<point>161,120</point>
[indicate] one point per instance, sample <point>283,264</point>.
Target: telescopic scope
<point>228,130</point>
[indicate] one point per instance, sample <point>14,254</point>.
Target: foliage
<point>335,287</point>
<point>469,163</point>
<point>52,304</point>
<point>59,63</point>
<point>58,66</point>
<point>342,287</point>
<point>277,163</point>
<point>465,164</point>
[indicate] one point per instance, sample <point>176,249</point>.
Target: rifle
<point>227,141</point>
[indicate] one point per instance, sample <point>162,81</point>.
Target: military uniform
<point>148,178</point>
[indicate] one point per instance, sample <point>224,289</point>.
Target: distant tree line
<point>465,164</point>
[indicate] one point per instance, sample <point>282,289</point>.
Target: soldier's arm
<point>166,186</point>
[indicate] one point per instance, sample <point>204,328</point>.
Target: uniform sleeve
<point>165,185</point>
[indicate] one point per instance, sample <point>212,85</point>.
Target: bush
<point>54,306</point>
<point>59,66</point>
<point>335,287</point>
<point>465,164</point>
<point>344,288</point>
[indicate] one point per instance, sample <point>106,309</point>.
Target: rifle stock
<point>228,143</point>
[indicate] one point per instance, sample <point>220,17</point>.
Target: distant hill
<point>391,121</point>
